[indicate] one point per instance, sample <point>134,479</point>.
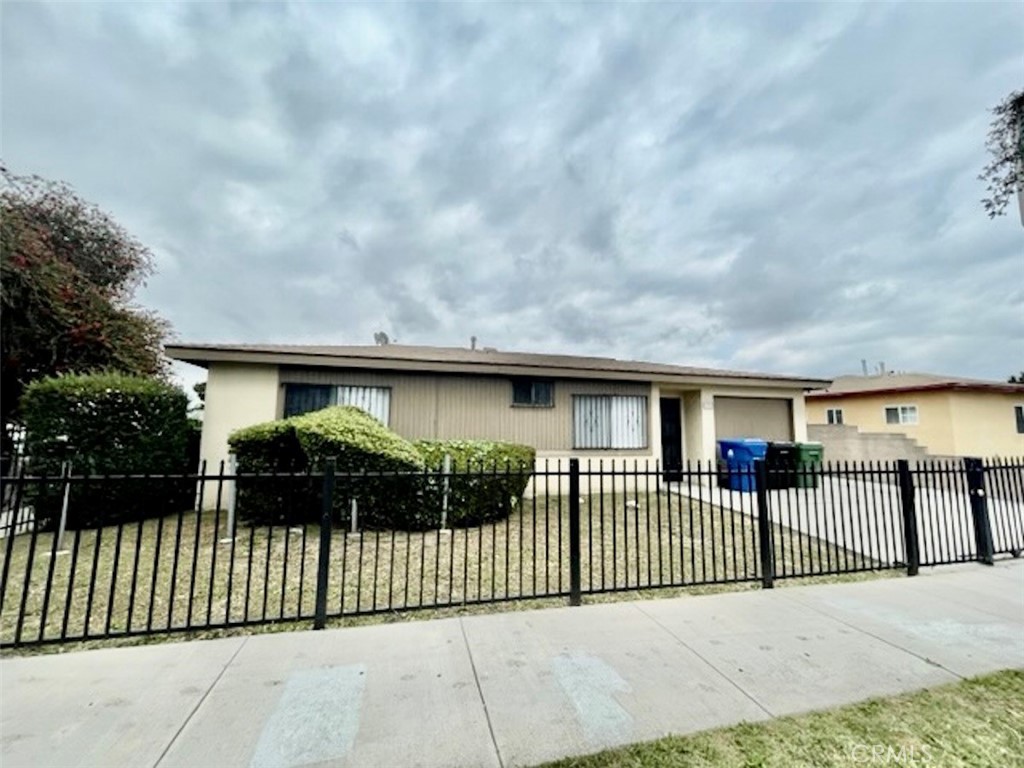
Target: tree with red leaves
<point>1004,173</point>
<point>67,281</point>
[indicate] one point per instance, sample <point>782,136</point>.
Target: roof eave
<point>204,356</point>
<point>1008,389</point>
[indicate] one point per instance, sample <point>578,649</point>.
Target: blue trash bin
<point>739,455</point>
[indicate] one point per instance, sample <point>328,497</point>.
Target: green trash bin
<point>808,461</point>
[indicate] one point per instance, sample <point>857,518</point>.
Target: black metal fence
<point>577,529</point>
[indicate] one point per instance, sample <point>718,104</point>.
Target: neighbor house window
<point>303,398</point>
<point>901,414</point>
<point>533,392</point>
<point>1018,412</point>
<point>609,421</point>
<point>834,415</point>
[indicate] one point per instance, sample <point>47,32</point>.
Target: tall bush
<point>395,483</point>
<point>488,478</point>
<point>301,444</point>
<point>273,447</point>
<point>107,423</point>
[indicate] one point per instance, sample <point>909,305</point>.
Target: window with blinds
<point>609,421</point>
<point>303,398</point>
<point>376,401</point>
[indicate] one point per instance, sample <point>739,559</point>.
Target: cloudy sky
<point>786,188</point>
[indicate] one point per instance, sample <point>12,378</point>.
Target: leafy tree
<point>67,278</point>
<point>1005,143</point>
<point>1019,379</point>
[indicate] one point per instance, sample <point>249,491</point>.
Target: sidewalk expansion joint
<point>697,653</point>
<point>199,703</point>
<point>890,643</point>
<point>480,691</point>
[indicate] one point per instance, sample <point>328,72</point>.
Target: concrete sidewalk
<point>511,688</point>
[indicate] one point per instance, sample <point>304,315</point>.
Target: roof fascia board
<point>203,357</point>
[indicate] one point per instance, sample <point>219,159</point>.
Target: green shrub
<point>356,439</point>
<point>107,424</point>
<point>412,499</point>
<point>489,478</point>
<point>273,447</point>
<point>358,443</point>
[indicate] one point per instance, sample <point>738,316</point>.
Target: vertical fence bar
<point>764,521</point>
<point>574,532</point>
<point>26,586</point>
<point>9,545</point>
<point>324,562</point>
<point>979,509</point>
<point>908,505</point>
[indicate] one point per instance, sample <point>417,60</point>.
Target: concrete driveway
<point>863,515</point>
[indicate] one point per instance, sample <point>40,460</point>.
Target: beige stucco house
<point>561,405</point>
<point>946,416</point>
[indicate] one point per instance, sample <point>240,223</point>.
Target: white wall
<point>237,395</point>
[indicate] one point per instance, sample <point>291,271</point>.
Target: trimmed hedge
<point>356,439</point>
<point>474,496</point>
<point>274,447</point>
<point>301,444</point>
<point>360,444</point>
<point>107,423</point>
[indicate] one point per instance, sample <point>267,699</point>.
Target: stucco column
<point>237,395</point>
<point>654,436</point>
<point>799,411</point>
<point>707,425</point>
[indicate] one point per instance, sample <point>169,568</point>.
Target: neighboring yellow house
<point>947,416</point>
<point>588,407</point>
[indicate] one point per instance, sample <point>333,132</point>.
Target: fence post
<point>979,510</point>
<point>575,587</point>
<point>232,495</point>
<point>323,564</point>
<point>764,525</point>
<point>65,474</point>
<point>908,504</point>
<point>446,468</point>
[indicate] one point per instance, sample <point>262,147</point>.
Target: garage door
<point>764,417</point>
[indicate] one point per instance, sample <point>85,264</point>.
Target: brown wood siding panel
<point>412,396</point>
<point>472,407</point>
<point>765,417</point>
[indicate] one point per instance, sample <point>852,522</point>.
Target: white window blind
<point>609,421</point>
<point>376,401</point>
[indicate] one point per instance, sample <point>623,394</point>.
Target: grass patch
<point>978,722</point>
<point>184,571</point>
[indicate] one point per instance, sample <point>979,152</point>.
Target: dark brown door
<point>671,439</point>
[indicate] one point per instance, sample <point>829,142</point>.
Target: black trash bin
<point>781,462</point>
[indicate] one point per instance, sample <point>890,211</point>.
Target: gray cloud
<point>786,188</point>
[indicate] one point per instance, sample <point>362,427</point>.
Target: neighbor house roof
<point>861,386</point>
<point>400,357</point>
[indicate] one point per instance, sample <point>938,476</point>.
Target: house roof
<point>861,386</point>
<point>401,357</point>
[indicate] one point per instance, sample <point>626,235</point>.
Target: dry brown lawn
<point>186,571</point>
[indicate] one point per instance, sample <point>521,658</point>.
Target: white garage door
<point>764,417</point>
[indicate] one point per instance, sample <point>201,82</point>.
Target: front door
<point>671,439</point>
